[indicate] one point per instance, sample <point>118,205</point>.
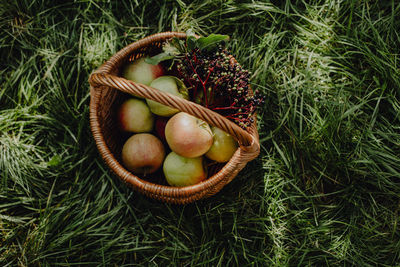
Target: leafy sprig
<point>177,47</point>
<point>213,78</point>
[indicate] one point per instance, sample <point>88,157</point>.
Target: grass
<point>323,192</point>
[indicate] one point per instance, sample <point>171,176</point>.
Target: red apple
<point>223,147</point>
<point>160,124</point>
<point>141,72</point>
<point>182,171</point>
<point>187,135</point>
<point>143,153</point>
<point>171,85</point>
<point>135,116</point>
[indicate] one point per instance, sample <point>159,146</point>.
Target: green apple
<point>141,72</point>
<point>135,116</point>
<point>143,153</point>
<point>188,136</point>
<point>182,171</point>
<point>171,85</point>
<point>223,147</point>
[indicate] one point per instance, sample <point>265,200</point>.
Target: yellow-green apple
<point>182,171</point>
<point>135,116</point>
<point>143,153</point>
<point>187,135</point>
<point>141,72</point>
<point>171,85</point>
<point>223,147</point>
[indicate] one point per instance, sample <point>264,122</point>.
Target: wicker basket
<point>108,90</point>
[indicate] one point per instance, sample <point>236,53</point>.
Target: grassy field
<point>325,190</point>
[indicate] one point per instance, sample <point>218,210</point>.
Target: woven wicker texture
<point>107,91</point>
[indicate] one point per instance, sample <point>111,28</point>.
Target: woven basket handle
<point>248,141</point>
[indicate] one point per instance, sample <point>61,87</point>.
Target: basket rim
<point>181,195</point>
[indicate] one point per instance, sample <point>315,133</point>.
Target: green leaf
<point>158,58</point>
<point>172,48</point>
<point>191,40</point>
<point>178,44</point>
<point>211,41</point>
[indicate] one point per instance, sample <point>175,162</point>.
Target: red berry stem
<point>224,85</point>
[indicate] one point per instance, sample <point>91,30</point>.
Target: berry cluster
<point>216,81</point>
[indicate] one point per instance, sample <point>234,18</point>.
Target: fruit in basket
<point>187,135</point>
<point>135,116</point>
<point>223,147</point>
<point>171,85</point>
<point>143,153</point>
<point>160,124</point>
<point>141,72</point>
<point>182,171</point>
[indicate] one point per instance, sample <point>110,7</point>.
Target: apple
<point>171,85</point>
<point>143,153</point>
<point>223,147</point>
<point>160,124</point>
<point>182,171</point>
<point>141,72</point>
<point>188,136</point>
<point>135,116</point>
